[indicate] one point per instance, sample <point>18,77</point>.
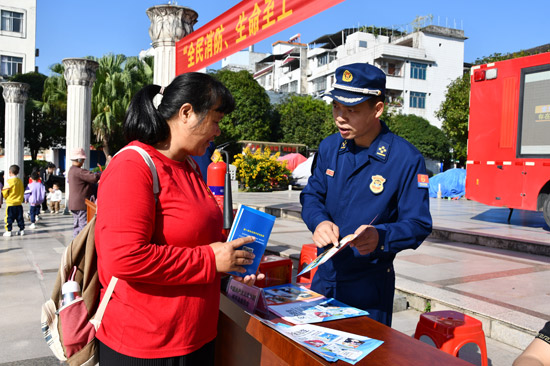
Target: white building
<point>243,60</point>
<point>17,37</point>
<point>419,66</point>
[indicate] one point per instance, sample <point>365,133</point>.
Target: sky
<point>79,28</point>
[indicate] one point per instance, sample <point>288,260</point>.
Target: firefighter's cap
<point>356,83</point>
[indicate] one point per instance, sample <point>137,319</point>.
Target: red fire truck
<point>509,134</point>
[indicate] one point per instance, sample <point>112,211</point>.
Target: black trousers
<point>14,213</point>
<point>204,356</point>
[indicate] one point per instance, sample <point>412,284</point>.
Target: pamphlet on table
<point>321,310</point>
<point>299,305</point>
<point>284,294</point>
<point>330,344</point>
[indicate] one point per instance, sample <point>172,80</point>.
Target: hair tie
<point>161,92</point>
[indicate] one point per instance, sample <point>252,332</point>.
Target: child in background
<point>35,195</point>
<point>55,197</point>
<point>13,193</point>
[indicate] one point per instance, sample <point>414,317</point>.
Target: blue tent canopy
<point>452,181</point>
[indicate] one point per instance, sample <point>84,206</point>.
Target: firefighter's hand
<point>228,258</point>
<point>326,233</point>
<point>366,240</point>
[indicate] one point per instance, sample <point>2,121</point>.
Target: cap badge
<point>377,184</point>
<point>347,76</point>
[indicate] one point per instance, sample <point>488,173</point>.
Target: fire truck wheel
<point>546,210</point>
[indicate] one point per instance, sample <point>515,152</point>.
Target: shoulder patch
<point>423,181</point>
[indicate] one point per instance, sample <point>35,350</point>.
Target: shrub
<point>261,171</point>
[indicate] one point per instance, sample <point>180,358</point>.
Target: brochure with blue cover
<point>251,222</point>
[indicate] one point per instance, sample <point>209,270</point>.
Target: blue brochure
<point>251,222</point>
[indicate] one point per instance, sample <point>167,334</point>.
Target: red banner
<point>245,24</point>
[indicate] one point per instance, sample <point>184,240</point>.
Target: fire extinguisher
<point>216,181</point>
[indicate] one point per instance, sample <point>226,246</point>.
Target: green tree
<point>428,139</point>
<point>118,78</point>
<point>55,91</point>
<point>454,112</point>
<point>305,120</point>
<point>253,115</point>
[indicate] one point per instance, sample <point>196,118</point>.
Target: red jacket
<point>166,301</point>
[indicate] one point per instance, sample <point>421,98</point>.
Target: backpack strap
<point>98,316</point>
<point>96,320</point>
<point>149,161</point>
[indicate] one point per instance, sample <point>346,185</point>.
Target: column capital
<point>14,92</point>
<point>80,71</point>
<point>170,23</point>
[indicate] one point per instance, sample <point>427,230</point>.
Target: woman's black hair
<point>147,124</point>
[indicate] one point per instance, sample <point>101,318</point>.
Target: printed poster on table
<point>330,344</point>
<point>318,311</point>
<point>283,294</point>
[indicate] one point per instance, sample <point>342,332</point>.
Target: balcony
<point>400,52</point>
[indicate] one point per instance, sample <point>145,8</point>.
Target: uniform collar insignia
<point>382,151</point>
<point>343,146</point>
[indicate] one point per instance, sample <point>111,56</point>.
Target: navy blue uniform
<point>352,186</point>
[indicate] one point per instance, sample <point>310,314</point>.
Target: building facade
<point>419,66</point>
<point>17,37</point>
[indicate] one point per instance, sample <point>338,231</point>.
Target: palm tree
<point>55,90</point>
<point>118,78</point>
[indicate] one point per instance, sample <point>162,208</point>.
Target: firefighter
<point>369,182</point>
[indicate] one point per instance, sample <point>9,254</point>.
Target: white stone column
<point>80,76</point>
<point>15,96</point>
<point>169,24</point>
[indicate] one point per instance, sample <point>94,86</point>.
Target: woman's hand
<point>229,259</point>
<point>249,279</point>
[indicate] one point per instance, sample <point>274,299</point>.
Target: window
<point>293,86</point>
<point>11,65</point>
<point>418,100</point>
<point>418,71</point>
<point>362,44</point>
<point>325,58</point>
<point>320,84</point>
<point>12,21</point>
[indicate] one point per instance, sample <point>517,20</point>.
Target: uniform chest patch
<point>329,172</point>
<point>377,184</point>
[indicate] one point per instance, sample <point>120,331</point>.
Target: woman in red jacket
<point>167,252</point>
